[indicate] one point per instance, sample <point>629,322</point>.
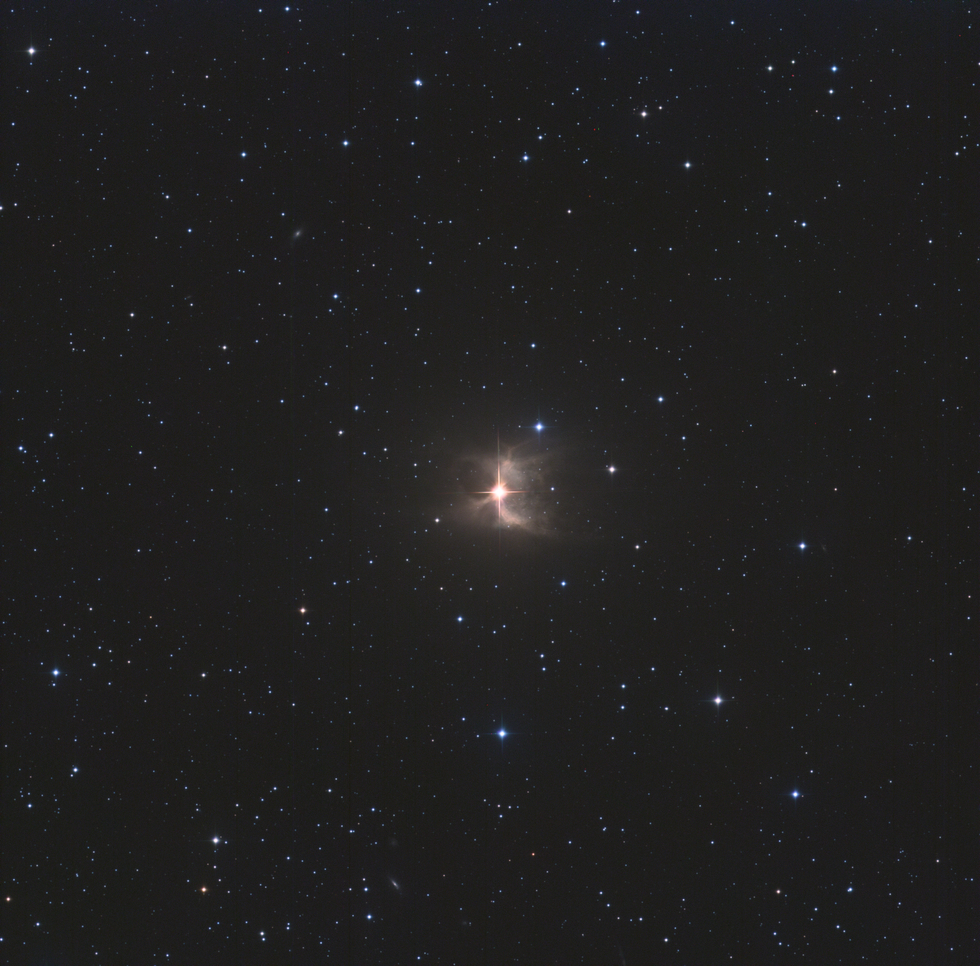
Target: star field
<point>489,484</point>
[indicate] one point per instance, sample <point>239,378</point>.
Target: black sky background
<point>276,281</point>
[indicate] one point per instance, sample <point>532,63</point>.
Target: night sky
<point>289,289</point>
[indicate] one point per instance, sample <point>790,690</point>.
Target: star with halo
<point>500,489</point>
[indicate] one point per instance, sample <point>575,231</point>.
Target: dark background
<point>277,278</point>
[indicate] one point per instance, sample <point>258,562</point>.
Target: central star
<point>499,491</point>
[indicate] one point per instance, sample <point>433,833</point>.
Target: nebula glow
<point>514,491</point>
